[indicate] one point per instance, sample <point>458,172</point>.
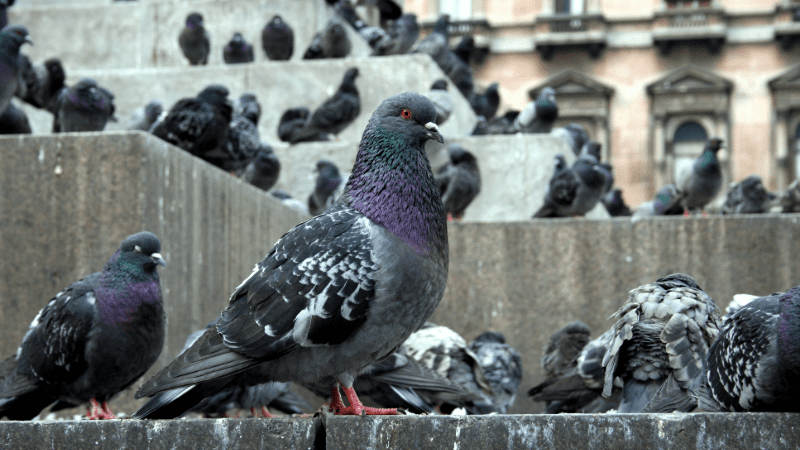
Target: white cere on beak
<point>137,249</point>
<point>432,126</point>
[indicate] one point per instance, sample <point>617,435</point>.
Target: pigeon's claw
<point>356,408</point>
<point>96,411</point>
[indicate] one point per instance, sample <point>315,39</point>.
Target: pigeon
<point>248,107</point>
<point>292,121</point>
<point>86,106</point>
<point>701,182</point>
<point>144,118</point>
<point>198,125</point>
<point>238,50</point>
<point>339,291</point>
<point>4,5</point>
<point>459,181</point>
<point>277,39</point>
<point>502,366</point>
<point>44,83</point>
<point>262,172</point>
<point>441,100</point>
<point>241,146</point>
<point>615,204</point>
<point>486,104</point>
<point>539,115</point>
<point>481,127</point>
<point>401,36</point>
<point>790,198</point>
<point>465,49</point>
<point>502,124</point>
<point>574,134</point>
<point>14,121</point>
<point>573,191</point>
<point>331,42</point>
<point>661,339</point>
<point>11,39</point>
<point>436,45</point>
<point>335,113</point>
<point>287,200</point>
<point>753,365</point>
<point>748,197</point>
<point>93,339</point>
<point>194,41</point>
<point>666,203</point>
<point>328,180</point>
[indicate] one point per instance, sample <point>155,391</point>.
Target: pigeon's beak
<point>28,40</point>
<point>157,259</point>
<point>433,132</point>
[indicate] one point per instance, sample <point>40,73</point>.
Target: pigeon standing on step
<point>574,134</point>
<point>486,104</point>
<point>263,170</point>
<point>661,340</point>
<point>335,113</point>
<point>241,146</point>
<point>144,118</point>
<point>615,204</point>
<point>248,107</point>
<point>294,120</point>
<point>328,180</point>
<point>277,39</point>
<point>790,198</point>
<point>237,50</point>
<point>436,45</point>
<point>44,84</point>
<point>700,183</point>
<point>666,203</point>
<point>86,106</point>
<point>539,115</point>
<point>749,196</point>
<point>4,5</point>
<point>441,99</point>
<point>459,181</point>
<point>340,291</point>
<point>576,190</point>
<point>502,366</point>
<point>331,42</point>
<point>11,39</point>
<point>14,120</point>
<point>93,340</point>
<point>402,35</point>
<point>194,41</point>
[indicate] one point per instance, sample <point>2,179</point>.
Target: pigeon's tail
<point>413,401</point>
<point>25,406</point>
<point>308,135</point>
<point>173,403</point>
<point>655,396</point>
<point>546,211</point>
<point>700,391</point>
<point>636,395</point>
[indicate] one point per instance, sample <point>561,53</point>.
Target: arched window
<point>458,9</point>
<point>688,142</point>
<point>690,131</point>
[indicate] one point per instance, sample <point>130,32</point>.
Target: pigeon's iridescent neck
<point>789,328</point>
<point>122,288</point>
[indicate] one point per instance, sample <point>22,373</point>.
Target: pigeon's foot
<point>264,411</point>
<point>686,213</point>
<point>96,411</point>
<point>356,408</point>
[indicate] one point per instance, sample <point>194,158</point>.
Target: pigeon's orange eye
<point>405,113</point>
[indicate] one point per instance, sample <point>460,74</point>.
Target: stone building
<point>650,79</point>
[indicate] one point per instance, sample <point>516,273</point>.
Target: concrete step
<point>92,35</point>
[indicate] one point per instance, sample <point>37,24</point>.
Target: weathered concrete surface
<point>528,279</point>
<point>279,86</point>
<point>222,434</point>
<point>568,431</point>
<point>68,201</point>
<point>135,35</point>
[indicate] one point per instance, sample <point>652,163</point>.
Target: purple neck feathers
<point>122,288</point>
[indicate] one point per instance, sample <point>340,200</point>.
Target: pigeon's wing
<point>563,348</point>
<point>312,289</point>
<point>342,107</point>
<point>186,123</point>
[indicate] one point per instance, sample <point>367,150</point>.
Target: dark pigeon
<point>44,83</point>
<point>241,146</point>
<point>502,366</point>
<point>459,181</point>
<point>753,365</point>
<point>199,125</point>
<point>335,113</point>
<point>441,100</point>
<point>287,200</point>
<point>748,197</point>
<point>401,36</point>
<point>292,121</point>
<point>277,39</point>
<point>576,190</point>
<point>237,50</point>
<point>194,41</point>
<point>486,104</point>
<point>790,198</point>
<point>263,170</point>
<point>248,107</point>
<point>666,203</point>
<point>340,291</point>
<point>539,115</point>
<point>14,121</point>
<point>502,124</point>
<point>86,106</point>
<point>328,180</point>
<point>700,183</point>
<point>331,42</point>
<point>144,118</point>
<point>615,204</point>
<point>661,339</point>
<point>93,340</point>
<point>574,134</point>
<point>436,45</point>
<point>4,5</point>
<point>481,127</point>
<point>465,49</point>
<point>11,39</point>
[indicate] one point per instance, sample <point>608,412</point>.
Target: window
<point>688,142</point>
<point>457,9</point>
<point>569,7</point>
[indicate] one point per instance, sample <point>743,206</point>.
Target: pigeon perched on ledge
<point>539,115</point>
<point>144,118</point>
<point>86,106</point>
<point>194,41</point>
<point>263,170</point>
<point>277,39</point>
<point>576,190</point>
<point>700,183</point>
<point>328,180</point>
<point>93,339</point>
<point>12,37</point>
<point>339,291</point>
<point>237,50</point>
<point>459,181</point>
<point>666,203</point>
<point>335,113</point>
<point>748,196</point>
<point>331,42</point>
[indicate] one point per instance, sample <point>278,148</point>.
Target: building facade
<point>651,80</point>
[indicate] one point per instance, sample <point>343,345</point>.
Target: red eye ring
<point>405,113</point>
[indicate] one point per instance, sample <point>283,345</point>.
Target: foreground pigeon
<point>144,118</point>
<point>292,121</point>
<point>700,183</point>
<point>749,196</point>
<point>576,190</point>
<point>666,203</point>
<point>11,39</point>
<point>277,39</point>
<point>262,172</point>
<point>441,99</point>
<point>14,120</point>
<point>194,41</point>
<point>237,50</point>
<point>402,35</point>
<point>486,104</point>
<point>660,344</point>
<point>86,106</point>
<point>539,115</point>
<point>459,181</point>
<point>339,291</point>
<point>328,180</point>
<point>335,113</point>
<point>93,339</point>
<point>575,136</point>
<point>331,42</point>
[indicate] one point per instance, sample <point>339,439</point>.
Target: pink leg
<point>264,410</point>
<point>356,408</point>
<point>96,411</point>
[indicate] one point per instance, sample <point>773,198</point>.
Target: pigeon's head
<point>216,94</point>
<point>442,25</point>
<point>409,20</point>
<point>276,21</point>
<point>753,188</point>
<point>142,249</point>
<point>459,154</point>
<point>153,109</point>
<point>408,115</point>
<point>335,32</point>
<point>349,79</point>
<point>237,41</point>
<point>665,198</point>
<point>55,70</point>
<point>194,20</point>
<point>328,177</point>
<point>714,144</point>
<point>491,336</point>
<point>548,96</point>
<point>249,107</point>
<point>439,85</point>
<point>592,149</point>
<point>265,155</point>
<point>678,280</point>
<point>561,162</point>
<point>17,34</point>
